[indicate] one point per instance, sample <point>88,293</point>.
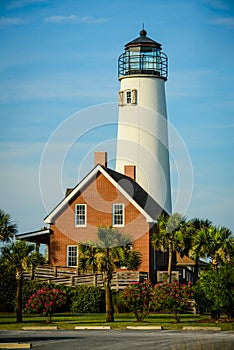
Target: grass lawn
<point>70,321</point>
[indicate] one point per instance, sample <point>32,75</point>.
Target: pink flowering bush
<point>137,297</point>
<point>172,296</point>
<point>46,301</point>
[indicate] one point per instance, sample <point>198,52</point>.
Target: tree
<point>215,244</point>
<point>197,226</point>
<point>111,250</point>
<point>20,255</point>
<point>170,236</point>
<point>8,229</point>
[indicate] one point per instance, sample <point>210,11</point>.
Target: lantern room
<point>143,56</point>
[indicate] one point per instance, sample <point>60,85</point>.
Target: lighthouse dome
<point>143,40</point>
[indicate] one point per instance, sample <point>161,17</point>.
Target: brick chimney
<point>130,170</point>
<point>100,158</point>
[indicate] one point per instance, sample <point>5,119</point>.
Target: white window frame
<point>75,215</point>
<point>128,95</point>
<point>114,214</point>
<point>68,255</point>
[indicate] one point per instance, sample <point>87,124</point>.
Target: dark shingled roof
<point>140,196</point>
<point>143,40</point>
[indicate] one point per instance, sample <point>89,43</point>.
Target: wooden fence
<point>69,276</point>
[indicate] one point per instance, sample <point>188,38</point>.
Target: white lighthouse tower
<point>142,125</point>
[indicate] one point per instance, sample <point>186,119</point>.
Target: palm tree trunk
<point>195,274</point>
<point>19,283</point>
<point>170,253</point>
<point>108,297</point>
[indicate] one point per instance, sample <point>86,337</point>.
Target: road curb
<point>42,328</point>
<point>190,328</point>
<point>93,327</point>
<point>145,327</point>
<point>15,346</point>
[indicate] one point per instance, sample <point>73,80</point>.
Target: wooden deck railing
<point>71,277</point>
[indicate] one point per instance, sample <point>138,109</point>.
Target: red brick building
<point>103,198</point>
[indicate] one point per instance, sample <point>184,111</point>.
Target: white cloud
<point>75,18</point>
<point>92,20</point>
<point>9,21</point>
<point>56,19</point>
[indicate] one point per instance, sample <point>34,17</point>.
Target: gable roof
<point>131,190</point>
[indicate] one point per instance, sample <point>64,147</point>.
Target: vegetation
<point>137,297</point>
<point>170,237</point>
<point>215,292</point>
<point>172,297</point>
<point>194,243</point>
<point>141,298</point>
<point>215,244</point>
<point>88,299</point>
<point>214,288</point>
<point>8,229</point>
<point>19,255</point>
<point>7,288</point>
<point>111,250</point>
<point>46,301</point>
<point>69,321</point>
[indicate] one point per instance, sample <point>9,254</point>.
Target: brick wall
<point>99,196</point>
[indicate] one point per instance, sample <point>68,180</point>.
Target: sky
<point>59,90</point>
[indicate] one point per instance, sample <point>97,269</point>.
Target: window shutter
<point>134,96</point>
<point>121,94</point>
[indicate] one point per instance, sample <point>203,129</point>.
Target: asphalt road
<point>124,340</point>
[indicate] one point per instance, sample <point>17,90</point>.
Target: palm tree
<point>19,256</point>
<point>214,243</point>
<point>195,246</point>
<point>170,236</point>
<point>8,229</point>
<point>111,250</point>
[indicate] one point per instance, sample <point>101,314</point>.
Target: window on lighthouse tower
<point>129,96</point>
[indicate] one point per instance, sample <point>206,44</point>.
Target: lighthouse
<point>142,140</point>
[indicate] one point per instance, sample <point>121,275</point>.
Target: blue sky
<point>59,59</point>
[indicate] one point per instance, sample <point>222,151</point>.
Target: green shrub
<point>215,292</point>
<point>7,289</point>
<point>88,299</point>
<point>118,302</point>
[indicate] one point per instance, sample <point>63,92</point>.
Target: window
<point>72,255</point>
<point>128,96</point>
<point>118,214</point>
<point>80,215</point>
